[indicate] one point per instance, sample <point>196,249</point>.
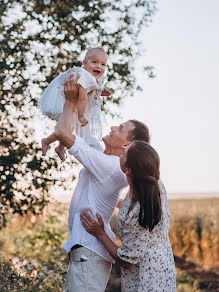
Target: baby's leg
<point>46,142</point>
<point>82,102</point>
<point>60,151</point>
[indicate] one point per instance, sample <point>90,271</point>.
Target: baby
<point>87,120</point>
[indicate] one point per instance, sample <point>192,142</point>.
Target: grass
<point>194,230</point>
<point>32,259</point>
<point>186,283</point>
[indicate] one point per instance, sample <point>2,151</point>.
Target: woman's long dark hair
<point>144,163</point>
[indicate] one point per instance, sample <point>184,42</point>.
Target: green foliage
<point>23,275</point>
<point>38,40</point>
<point>47,236</point>
<point>32,259</point>
<point>185,283</point>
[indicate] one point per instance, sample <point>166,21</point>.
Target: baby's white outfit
<point>53,99</point>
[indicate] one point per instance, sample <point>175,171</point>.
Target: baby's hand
<point>106,92</point>
<point>83,121</point>
<point>96,96</point>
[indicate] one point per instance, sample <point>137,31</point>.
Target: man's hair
<point>140,132</point>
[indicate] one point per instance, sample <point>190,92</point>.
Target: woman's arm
<point>96,228</point>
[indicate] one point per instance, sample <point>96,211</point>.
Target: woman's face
<point>123,157</point>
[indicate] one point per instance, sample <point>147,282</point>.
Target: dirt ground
<point>208,278</point>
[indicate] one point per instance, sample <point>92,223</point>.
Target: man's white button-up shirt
<point>97,191</point>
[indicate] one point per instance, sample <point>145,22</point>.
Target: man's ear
<point>84,62</point>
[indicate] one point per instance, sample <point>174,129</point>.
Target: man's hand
<point>63,128</point>
<point>96,228</point>
<point>71,90</point>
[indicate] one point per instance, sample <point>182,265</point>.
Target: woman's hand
<point>96,228</point>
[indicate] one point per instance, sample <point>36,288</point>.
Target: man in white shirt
<point>97,191</point>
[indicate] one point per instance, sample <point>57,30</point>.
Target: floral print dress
<point>150,252</point>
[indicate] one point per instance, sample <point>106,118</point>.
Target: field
<point>32,259</point>
<point>194,230</point>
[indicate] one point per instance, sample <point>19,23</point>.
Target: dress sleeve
<point>87,81</point>
<point>100,165</point>
<point>135,239</point>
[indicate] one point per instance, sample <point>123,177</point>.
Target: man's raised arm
<point>63,130</point>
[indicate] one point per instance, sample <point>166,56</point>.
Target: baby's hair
<point>94,48</point>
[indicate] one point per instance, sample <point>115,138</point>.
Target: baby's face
<point>95,63</point>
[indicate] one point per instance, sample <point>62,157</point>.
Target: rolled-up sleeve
<point>96,162</point>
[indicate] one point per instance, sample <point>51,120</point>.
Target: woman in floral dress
<point>145,253</point>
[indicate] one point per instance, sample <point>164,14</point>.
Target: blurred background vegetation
<point>32,259</point>
<point>194,230</point>
<point>38,40</point>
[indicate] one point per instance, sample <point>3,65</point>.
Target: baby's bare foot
<point>83,121</point>
<point>45,146</point>
<point>60,153</point>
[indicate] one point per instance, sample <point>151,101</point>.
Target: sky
<point>181,105</point>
